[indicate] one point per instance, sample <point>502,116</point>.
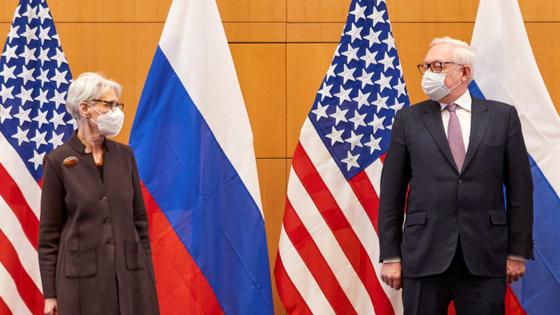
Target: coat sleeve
<point>53,212</point>
<point>394,185</point>
<point>518,182</point>
<point>140,215</point>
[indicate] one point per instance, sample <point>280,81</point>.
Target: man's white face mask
<point>433,84</point>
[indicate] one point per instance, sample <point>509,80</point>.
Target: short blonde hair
<point>87,87</point>
<point>462,52</point>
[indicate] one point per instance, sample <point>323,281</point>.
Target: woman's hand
<point>50,306</point>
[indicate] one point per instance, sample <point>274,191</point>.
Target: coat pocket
<point>80,263</point>
<point>415,218</point>
<point>134,256</point>
<point>498,218</point>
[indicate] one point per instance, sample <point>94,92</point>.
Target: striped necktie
<point>455,137</point>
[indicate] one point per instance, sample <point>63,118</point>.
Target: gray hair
<point>87,87</point>
<point>462,52</point>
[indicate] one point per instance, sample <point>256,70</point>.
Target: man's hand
<point>515,270</point>
<point>50,306</point>
<point>391,274</point>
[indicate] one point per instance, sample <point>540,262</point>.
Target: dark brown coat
<point>94,244</point>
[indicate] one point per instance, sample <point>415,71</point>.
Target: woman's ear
<point>83,108</point>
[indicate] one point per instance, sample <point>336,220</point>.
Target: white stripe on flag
<point>11,227</point>
<point>300,276</point>
<point>195,43</point>
<point>340,189</point>
<point>374,173</point>
<point>347,201</point>
<point>514,78</point>
<point>18,171</point>
<point>329,246</point>
<point>10,295</point>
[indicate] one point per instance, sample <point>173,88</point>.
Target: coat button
<point>104,199</point>
<point>107,221</point>
<point>460,181</point>
<point>110,242</point>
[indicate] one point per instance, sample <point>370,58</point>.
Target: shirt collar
<point>465,102</point>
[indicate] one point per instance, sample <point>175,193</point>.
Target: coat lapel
<point>432,120</point>
<point>480,119</point>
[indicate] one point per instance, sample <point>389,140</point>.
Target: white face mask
<point>109,124</point>
<point>433,85</point>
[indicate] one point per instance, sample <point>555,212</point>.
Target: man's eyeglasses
<point>435,67</point>
<point>111,104</point>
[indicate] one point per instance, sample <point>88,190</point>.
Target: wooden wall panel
<point>98,10</point>
<point>317,11</point>
<point>540,10</point>
<point>273,185</point>
<point>432,11</point>
<point>465,11</point>
<point>314,32</point>
<point>4,30</point>
<point>252,10</point>
<point>261,69</point>
<point>306,67</point>
<point>255,32</point>
<point>150,10</point>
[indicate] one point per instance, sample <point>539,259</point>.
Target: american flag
<point>34,80</point>
<point>328,256</point>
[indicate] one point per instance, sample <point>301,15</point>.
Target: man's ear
<point>466,73</point>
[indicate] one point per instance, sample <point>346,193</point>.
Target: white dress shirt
<point>463,111</point>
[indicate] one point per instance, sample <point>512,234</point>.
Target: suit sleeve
<point>394,185</point>
<point>53,212</point>
<point>140,215</point>
<point>518,182</point>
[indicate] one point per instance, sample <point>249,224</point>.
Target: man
<point>448,161</point>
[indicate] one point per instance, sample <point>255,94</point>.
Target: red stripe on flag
<point>382,157</point>
<point>291,298</point>
<point>181,286</point>
<point>343,232</point>
<point>366,194</point>
<point>27,289</point>
<point>513,307</point>
<point>313,258</point>
<point>4,310</point>
<point>13,196</point>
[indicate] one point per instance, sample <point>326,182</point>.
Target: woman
<point>94,244</point>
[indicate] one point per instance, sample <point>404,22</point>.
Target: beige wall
<point>282,50</point>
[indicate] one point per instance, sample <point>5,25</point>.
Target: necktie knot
<point>451,107</point>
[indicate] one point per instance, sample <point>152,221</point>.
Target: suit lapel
<point>432,120</point>
<point>480,119</point>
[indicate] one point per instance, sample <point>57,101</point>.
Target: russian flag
<point>506,71</point>
<point>194,148</point>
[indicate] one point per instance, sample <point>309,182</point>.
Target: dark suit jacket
<point>94,244</point>
<point>444,204</point>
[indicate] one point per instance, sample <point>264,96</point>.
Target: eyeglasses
<point>435,67</point>
<point>111,104</point>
